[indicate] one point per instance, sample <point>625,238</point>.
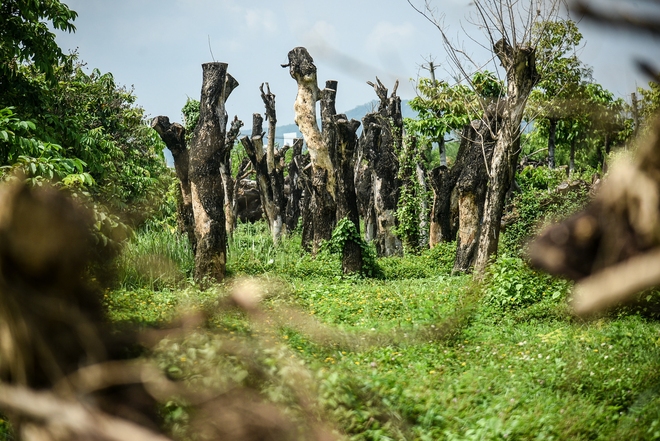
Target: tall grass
<point>155,259</point>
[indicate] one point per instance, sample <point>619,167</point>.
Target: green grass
<point>417,353</point>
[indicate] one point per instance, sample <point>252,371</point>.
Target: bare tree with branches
<point>508,27</point>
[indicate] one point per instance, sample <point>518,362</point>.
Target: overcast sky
<point>158,46</point>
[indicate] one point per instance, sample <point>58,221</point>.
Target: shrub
<point>512,284</point>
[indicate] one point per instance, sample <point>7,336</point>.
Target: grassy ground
<point>416,353</point>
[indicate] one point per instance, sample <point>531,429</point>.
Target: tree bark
<point>228,183</point>
<point>174,137</point>
<point>270,177</point>
<point>208,146</point>
<point>341,138</point>
<point>424,210</point>
<point>470,190</point>
<point>292,214</point>
<point>322,203</point>
<point>275,170</point>
<point>382,138</point>
<point>522,76</point>
<point>552,142</point>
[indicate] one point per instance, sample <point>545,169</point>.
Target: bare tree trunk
<point>340,137</point>
<point>571,159</point>
<point>322,203</point>
<point>228,183</point>
<point>270,178</point>
<point>174,137</point>
<point>363,185</point>
<point>552,137</point>
<point>522,76</point>
<point>295,187</point>
<point>382,138</point>
<point>206,151</point>
<point>424,209</point>
<point>275,171</point>
<point>471,188</point>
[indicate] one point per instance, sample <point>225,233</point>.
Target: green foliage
<point>25,37</point>
<point>443,108</point>
<point>539,203</point>
<point>6,432</point>
<point>414,200</point>
<point>346,231</point>
<point>428,263</point>
<point>512,284</point>
<point>514,369</point>
<point>649,104</point>
<point>190,113</point>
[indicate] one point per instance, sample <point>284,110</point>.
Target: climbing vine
<point>345,231</point>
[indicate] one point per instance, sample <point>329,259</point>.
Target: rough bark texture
<point>363,185</point>
<point>470,190</point>
<point>443,225</point>
<point>270,179</point>
<point>174,137</point>
<point>424,210</point>
<point>206,152</point>
<point>228,183</point>
<point>381,138</point>
<point>552,142</point>
<point>295,184</point>
<point>522,76</point>
<point>322,202</point>
<point>340,136</point>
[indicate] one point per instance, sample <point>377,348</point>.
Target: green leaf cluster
<point>346,231</point>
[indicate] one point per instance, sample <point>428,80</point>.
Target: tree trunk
<point>340,135</point>
<point>174,137</point>
<point>322,203</point>
<point>522,76</point>
<point>382,138</point>
<point>472,180</point>
<point>552,141</point>
<point>424,210</point>
<point>295,187</point>
<point>275,171</point>
<point>363,186</point>
<point>270,178</point>
<point>571,161</point>
<point>228,183</point>
<point>206,151</point>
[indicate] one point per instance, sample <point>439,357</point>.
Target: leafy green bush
<point>512,284</point>
<point>539,203</point>
<point>540,178</point>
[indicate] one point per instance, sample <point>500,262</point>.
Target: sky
<point>157,47</point>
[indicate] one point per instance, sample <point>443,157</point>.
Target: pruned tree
<point>295,183</point>
<point>443,109</point>
<point>267,166</point>
<point>332,156</point>
<point>381,139</point>
<point>207,148</point>
<point>174,137</point>
<point>509,27</point>
<point>228,182</point>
